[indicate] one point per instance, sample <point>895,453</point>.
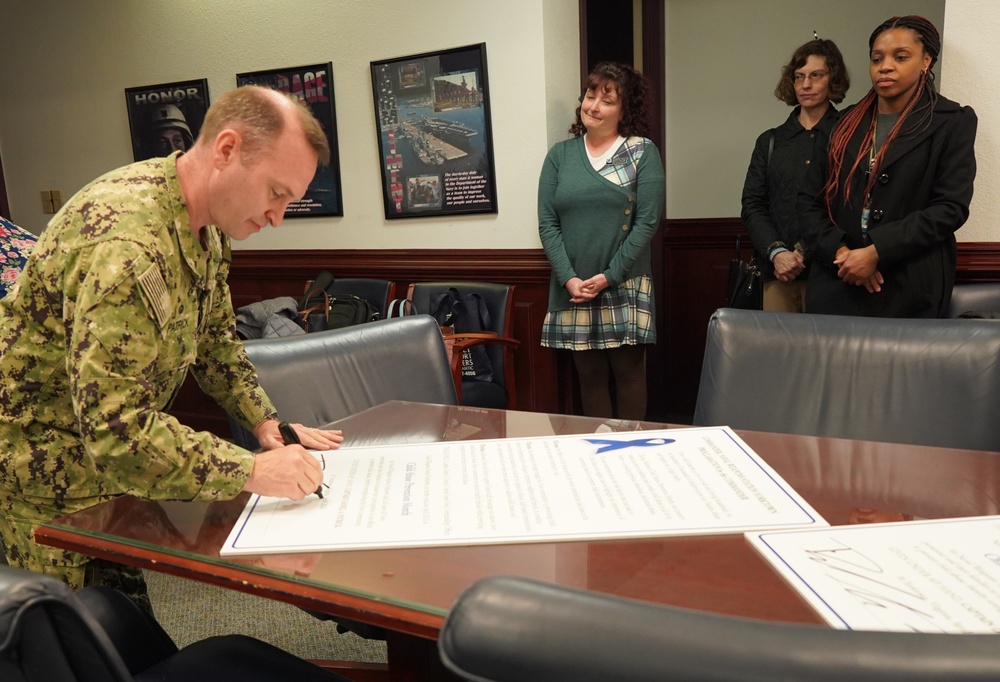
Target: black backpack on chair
<point>319,310</point>
<point>466,313</point>
<point>346,310</point>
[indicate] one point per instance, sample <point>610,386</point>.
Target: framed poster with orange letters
<point>312,85</point>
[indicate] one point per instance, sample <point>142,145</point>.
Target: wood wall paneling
<point>259,275</point>
<point>695,254</point>
<point>978,262</point>
<point>696,257</point>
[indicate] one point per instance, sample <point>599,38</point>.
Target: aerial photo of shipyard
<point>430,127</point>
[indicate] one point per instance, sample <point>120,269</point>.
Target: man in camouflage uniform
<point>125,291</point>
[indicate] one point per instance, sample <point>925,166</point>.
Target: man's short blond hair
<point>258,116</point>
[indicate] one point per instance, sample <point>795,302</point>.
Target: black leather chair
<point>499,299</point>
<point>926,382</point>
<point>508,629</point>
<point>378,292</point>
<point>505,629</point>
<point>975,298</point>
<point>314,379</point>
<point>50,634</point>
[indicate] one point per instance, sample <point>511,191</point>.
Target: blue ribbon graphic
<point>609,445</point>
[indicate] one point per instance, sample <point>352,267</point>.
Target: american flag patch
<point>152,285</point>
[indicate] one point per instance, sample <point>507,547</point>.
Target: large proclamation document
<point>913,576</point>
<point>579,487</point>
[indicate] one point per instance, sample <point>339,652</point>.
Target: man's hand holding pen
<point>288,435</point>
<point>285,468</point>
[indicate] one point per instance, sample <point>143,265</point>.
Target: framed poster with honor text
<point>165,118</point>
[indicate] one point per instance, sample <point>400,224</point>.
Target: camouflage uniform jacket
<point>117,302</point>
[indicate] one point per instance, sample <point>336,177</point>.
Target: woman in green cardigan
<point>600,197</point>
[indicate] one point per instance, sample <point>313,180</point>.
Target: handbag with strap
<point>315,289</point>
<point>403,307</point>
<point>400,307</point>
<point>347,310</point>
<point>336,312</point>
<point>320,309</point>
<point>745,288</point>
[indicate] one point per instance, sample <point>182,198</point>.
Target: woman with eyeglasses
<point>880,214</point>
<point>814,77</point>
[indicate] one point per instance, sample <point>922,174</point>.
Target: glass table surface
<point>411,589</point>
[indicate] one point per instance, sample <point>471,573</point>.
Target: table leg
<point>414,659</point>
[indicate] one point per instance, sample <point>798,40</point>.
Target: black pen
<point>289,436</point>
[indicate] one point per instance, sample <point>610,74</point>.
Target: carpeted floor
<point>190,611</point>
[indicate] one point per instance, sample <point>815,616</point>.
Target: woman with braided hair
<point>880,215</point>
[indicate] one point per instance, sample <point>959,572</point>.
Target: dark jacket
<point>921,196</point>
<point>771,190</point>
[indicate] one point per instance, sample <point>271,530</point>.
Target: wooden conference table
<point>409,591</point>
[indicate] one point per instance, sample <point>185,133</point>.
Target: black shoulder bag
<point>745,287</point>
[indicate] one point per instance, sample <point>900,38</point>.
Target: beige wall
<point>63,119</point>
<point>969,76</point>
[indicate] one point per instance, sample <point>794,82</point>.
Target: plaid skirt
<point>618,316</point>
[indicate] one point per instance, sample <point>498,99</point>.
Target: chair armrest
<point>138,638</point>
<point>505,629</point>
<point>461,341</point>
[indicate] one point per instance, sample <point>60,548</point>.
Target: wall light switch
<point>51,200</point>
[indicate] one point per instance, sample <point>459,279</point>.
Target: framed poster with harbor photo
<point>432,113</point>
<point>313,86</point>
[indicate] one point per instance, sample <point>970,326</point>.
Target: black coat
<point>921,197</point>
<point>771,188</point>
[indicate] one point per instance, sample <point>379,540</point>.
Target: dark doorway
<point>608,27</point>
<point>4,206</point>
<point>608,33</point>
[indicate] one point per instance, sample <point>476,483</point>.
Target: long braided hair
<point>927,36</point>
